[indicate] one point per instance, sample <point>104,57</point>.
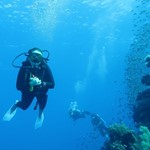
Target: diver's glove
<point>34,81</point>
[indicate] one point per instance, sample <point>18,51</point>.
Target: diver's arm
<point>51,82</point>
<point>21,84</point>
<point>48,80</point>
<point>87,113</point>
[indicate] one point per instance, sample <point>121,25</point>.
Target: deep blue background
<point>88,41</point>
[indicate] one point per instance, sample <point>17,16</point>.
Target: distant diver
<point>96,120</point>
<point>34,80</point>
<point>76,113</point>
<point>99,124</point>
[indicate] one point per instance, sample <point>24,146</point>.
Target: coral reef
<point>120,138</point>
<point>144,138</point>
<point>123,138</point>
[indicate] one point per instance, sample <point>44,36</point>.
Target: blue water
<point>88,41</point>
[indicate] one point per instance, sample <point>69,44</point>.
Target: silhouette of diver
<point>99,124</point>
<point>76,113</point>
<point>96,120</point>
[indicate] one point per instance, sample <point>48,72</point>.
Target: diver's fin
<point>39,120</point>
<point>11,112</point>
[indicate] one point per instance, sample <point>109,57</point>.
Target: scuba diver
<point>96,120</point>
<point>99,124</point>
<point>76,113</point>
<point>34,80</point>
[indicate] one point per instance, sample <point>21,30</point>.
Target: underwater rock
<point>141,113</point>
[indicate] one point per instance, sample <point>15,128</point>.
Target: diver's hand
<point>34,81</point>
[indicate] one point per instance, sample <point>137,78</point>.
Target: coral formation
<point>120,138</point>
<point>144,138</point>
<point>123,138</point>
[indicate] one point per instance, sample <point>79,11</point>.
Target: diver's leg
<point>23,104</point>
<point>42,100</point>
<point>26,100</point>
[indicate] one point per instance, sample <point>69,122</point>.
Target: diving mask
<point>36,56</point>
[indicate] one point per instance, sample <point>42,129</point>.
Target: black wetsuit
<point>44,73</point>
